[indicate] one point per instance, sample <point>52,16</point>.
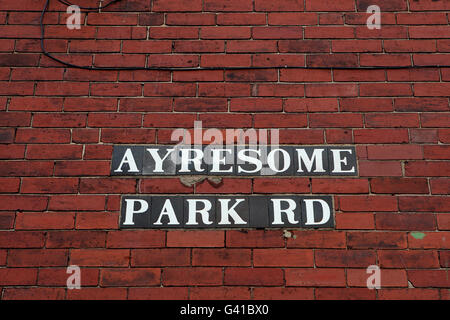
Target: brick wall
<point>59,206</point>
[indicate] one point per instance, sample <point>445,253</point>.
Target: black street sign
<point>197,212</point>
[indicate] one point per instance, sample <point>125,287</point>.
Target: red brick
<point>254,276</point>
<point>20,202</point>
<point>421,17</point>
<point>367,203</point>
<point>366,104</point>
<point>135,239</point>
<point>339,136</point>
<point>376,240</point>
<point>97,220</point>
<point>7,220</point>
<point>283,258</point>
<point>61,120</point>
<point>58,277</point>
<point>381,89</point>
<point>385,120</point>
<point>76,239</point>
<point>317,239</point>
<point>228,60</point>
<point>440,186</point>
<point>444,135</point>
<point>90,104</point>
<point>356,46</point>
<point>160,257</point>
<point>255,239</point>
<point>77,202</point>
<point>107,185</point>
<point>192,276</point>
<point>219,293</point>
<point>163,293</point>
<point>200,105</point>
<point>427,169</point>
<point>429,240</point>
<point>316,277</point>
<point>331,90</point>
<point>34,294</point>
<point>97,294</point>
<point>114,120</point>
<point>227,185</point>
<point>223,90</point>
<point>169,89</point>
<point>303,46</point>
<point>345,5</point>
<point>49,185</point>
<point>18,276</point>
<point>15,119</point>
<point>281,185</point>
<point>85,135</point>
<point>184,19</point>
<point>398,185</point>
<point>277,32</point>
<point>24,168</point>
<point>37,258</point>
<point>421,104</point>
<point>256,104</point>
<point>424,203</point>
<point>311,105</point>
<point>339,185</point>
<point>405,221</point>
<point>221,257</point>
<point>52,152</point>
<point>408,294</point>
<point>293,75</point>
<point>386,32</point>
<point>429,278</point>
<point>192,238</point>
<point>136,277</point>
<point>344,258</point>
<point>226,120</point>
<point>345,294</point>
<point>389,278</point>
<point>163,185</point>
<point>283,293</point>
<point>443,222</point>
<point>427,32</point>
<point>364,221</point>
<point>414,259</point>
<point>252,46</point>
<point>9,185</point>
<point>437,152</point>
<point>431,89</point>
<point>444,258</point>
<point>200,75</point>
<point>241,19</point>
<point>393,152</point>
<point>45,220</point>
<point>334,120</point>
<point>359,75</point>
<point>82,168</point>
<point>128,135</point>
<point>100,257</point>
<point>305,136</point>
<point>424,135</point>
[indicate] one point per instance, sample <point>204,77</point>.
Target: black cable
<point>67,3</point>
<point>71,65</point>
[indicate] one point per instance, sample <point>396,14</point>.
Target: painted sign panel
<point>235,160</point>
<point>195,212</point>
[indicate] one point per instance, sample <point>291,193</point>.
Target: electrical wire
<point>71,65</point>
